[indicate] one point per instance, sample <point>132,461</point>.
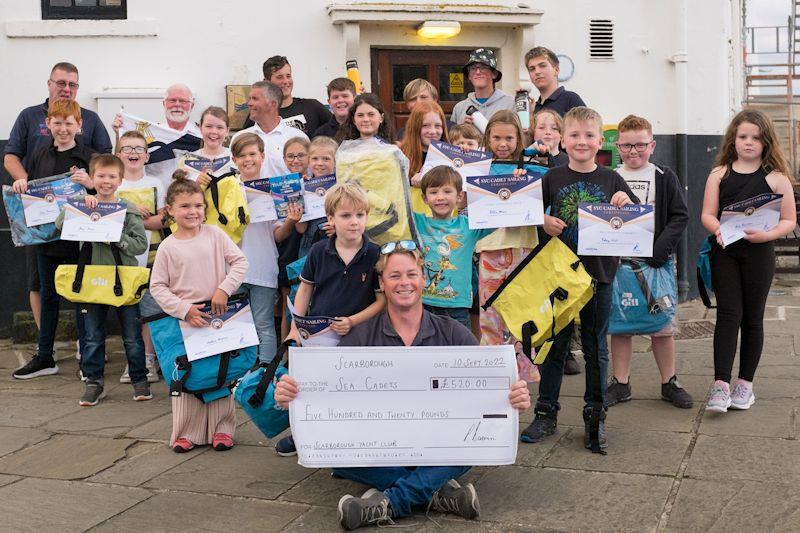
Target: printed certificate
<point>401,406</point>
<point>760,213</point>
<point>285,190</point>
<point>314,330</point>
<point>102,224</point>
<point>465,162</point>
<point>44,199</point>
<point>504,200</point>
<point>615,231</point>
<point>259,200</point>
<point>232,330</point>
<point>314,191</point>
<point>195,164</point>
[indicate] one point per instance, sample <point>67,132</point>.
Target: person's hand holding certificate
<point>760,213</point>
<point>259,201</point>
<point>43,200</point>
<point>231,330</point>
<point>505,200</point>
<point>606,230</point>
<point>100,224</point>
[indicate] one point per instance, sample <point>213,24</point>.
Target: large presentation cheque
<point>400,406</point>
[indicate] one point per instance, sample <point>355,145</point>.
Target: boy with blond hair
<point>563,188</point>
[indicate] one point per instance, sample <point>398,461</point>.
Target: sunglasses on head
<point>390,247</point>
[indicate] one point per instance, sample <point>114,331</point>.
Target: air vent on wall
<point>601,39</point>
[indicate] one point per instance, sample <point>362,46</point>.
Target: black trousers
<point>741,274</point>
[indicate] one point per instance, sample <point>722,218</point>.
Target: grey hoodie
<point>499,100</point>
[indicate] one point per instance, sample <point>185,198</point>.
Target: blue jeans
<point>460,314</point>
<point>50,305</point>
<point>594,329</point>
<point>93,360</point>
<point>404,486</point>
<point>262,304</point>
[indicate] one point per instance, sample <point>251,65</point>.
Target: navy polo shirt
<point>339,289</point>
<point>560,101</point>
<point>30,132</point>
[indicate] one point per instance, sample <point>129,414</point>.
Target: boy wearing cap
<point>481,71</point>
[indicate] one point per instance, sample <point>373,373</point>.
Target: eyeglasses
<point>181,101</point>
<point>626,147</point>
<point>293,157</point>
<point>479,68</point>
<point>61,84</point>
<point>389,247</point>
<point>133,149</point>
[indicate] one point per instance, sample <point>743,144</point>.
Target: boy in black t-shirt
<point>563,188</point>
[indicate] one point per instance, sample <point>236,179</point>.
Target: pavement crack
<point>663,520</point>
<point>724,507</point>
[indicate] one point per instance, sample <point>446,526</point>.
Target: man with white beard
<point>178,106</point>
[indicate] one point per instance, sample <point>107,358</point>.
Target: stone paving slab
<point>723,506</point>
<point>43,505</point>
<point>766,418</point>
<point>629,451</point>
<point>70,457</point>
<point>729,458</point>
<point>180,511</point>
<point>5,479</point>
<point>13,439</point>
<point>563,500</point>
<point>143,462</point>
<point>158,429</point>
<point>31,410</point>
<point>243,471</point>
<point>110,418</point>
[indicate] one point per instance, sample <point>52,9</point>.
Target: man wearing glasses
<point>396,491</point>
<point>481,71</point>
<point>30,132</point>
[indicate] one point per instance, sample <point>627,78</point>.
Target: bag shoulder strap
<point>84,258</point>
<point>269,374</point>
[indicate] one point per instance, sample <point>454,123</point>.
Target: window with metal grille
<point>84,9</point>
<point>601,39</point>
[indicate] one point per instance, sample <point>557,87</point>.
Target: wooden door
<point>393,69</point>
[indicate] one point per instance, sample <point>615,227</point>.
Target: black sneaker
<point>571,366</point>
<point>457,500</point>
<point>93,394</point>
<point>601,436</point>
<point>285,447</point>
<point>617,392</point>
<point>370,509</point>
<point>672,392</point>
<point>544,424</point>
<point>36,368</point>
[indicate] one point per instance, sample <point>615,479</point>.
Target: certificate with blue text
<point>314,330</point>
<point>504,200</point>
<point>314,191</point>
<point>259,200</point>
<point>760,213</point>
<point>43,200</point>
<point>404,406</point>
<point>615,231</point>
<point>465,162</point>
<point>99,224</point>
<point>232,330</point>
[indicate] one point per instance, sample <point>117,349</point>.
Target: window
<point>601,39</point>
<point>84,9</point>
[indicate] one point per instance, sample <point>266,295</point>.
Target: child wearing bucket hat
<point>481,71</point>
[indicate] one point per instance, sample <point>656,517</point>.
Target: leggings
<point>741,274</point>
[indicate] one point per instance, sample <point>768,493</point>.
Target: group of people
<point>390,294</point>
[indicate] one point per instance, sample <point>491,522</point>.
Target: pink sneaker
<point>182,445</point>
<point>742,396</point>
<point>720,398</point>
<point>222,442</point>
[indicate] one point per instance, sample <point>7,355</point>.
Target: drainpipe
<point>680,60</point>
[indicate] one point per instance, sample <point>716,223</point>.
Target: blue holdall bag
<point>704,286</point>
<point>209,378</point>
<point>643,298</point>
<point>256,394</point>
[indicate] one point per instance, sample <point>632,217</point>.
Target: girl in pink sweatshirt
<point>198,262</point>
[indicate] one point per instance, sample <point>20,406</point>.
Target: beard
<point>178,115</point>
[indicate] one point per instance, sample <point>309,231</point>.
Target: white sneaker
<point>152,367</point>
<point>720,398</point>
<point>742,396</point>
<point>78,350</point>
<point>125,377</point>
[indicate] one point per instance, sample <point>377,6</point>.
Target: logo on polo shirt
<point>363,277</point>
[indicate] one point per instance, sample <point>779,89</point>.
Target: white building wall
<point>212,44</point>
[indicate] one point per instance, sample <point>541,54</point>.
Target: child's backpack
<point>209,378</point>
<point>643,298</point>
<point>704,286</point>
<point>255,393</point>
<point>146,196</point>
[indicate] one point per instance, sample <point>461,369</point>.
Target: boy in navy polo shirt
<point>543,68</point>
<point>339,278</point>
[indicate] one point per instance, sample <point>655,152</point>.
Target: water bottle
<point>353,74</point>
<point>521,107</point>
<point>478,120</point>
